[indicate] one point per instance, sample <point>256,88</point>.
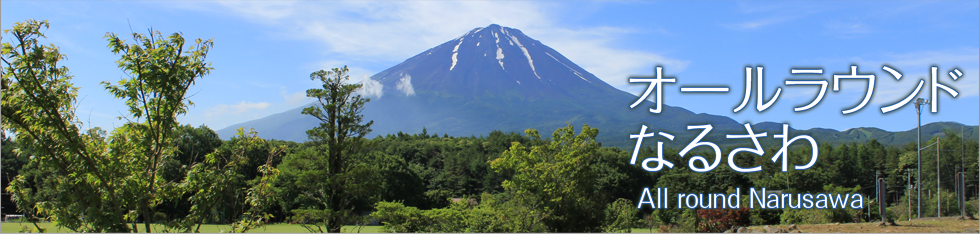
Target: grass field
<point>13,227</point>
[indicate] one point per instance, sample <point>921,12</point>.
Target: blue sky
<point>264,51</point>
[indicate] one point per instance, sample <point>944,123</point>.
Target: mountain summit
<point>493,61</point>
<point>498,78</point>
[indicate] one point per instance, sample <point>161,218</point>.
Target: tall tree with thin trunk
<point>336,176</point>
<point>159,70</point>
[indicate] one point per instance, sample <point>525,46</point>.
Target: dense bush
<point>396,217</point>
<point>719,220</point>
<point>620,217</point>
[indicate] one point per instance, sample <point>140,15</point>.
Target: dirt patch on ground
<point>923,225</point>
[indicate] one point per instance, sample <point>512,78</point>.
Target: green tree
<point>554,181</point>
<point>11,163</point>
<point>100,184</point>
<point>38,106</point>
<point>193,145</point>
<point>159,73</point>
<point>335,176</point>
<point>211,182</point>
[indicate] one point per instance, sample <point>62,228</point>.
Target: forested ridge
<point>427,170</point>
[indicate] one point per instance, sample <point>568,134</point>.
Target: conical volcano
<point>495,78</point>
<point>498,78</point>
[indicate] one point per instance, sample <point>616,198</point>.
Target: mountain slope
<point>498,78</point>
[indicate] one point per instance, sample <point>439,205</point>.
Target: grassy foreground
<point>13,227</point>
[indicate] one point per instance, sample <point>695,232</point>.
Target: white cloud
<point>368,28</point>
<point>293,99</point>
<point>264,9</point>
<point>889,90</point>
<point>593,51</point>
<point>373,88</point>
<point>849,28</point>
<point>354,73</point>
<point>915,66</point>
<point>389,32</point>
<point>758,23</point>
<point>766,14</point>
<point>405,85</point>
<point>949,57</point>
<point>223,109</point>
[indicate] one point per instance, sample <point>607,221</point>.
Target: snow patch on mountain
<point>500,57</point>
<point>569,68</point>
<point>500,52</point>
<point>455,52</point>
<point>526,54</point>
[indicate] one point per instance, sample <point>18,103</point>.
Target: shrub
<point>620,216</point>
<point>687,222</point>
<point>719,220</point>
<point>396,217</point>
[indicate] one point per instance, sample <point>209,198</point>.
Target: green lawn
<point>14,227</point>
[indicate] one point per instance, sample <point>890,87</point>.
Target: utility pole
<point>959,192</point>
<point>939,197</point>
<point>908,192</point>
<point>879,195</point>
<point>919,102</point>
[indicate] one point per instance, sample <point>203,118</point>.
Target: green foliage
<point>16,164</point>
<point>818,216</point>
<point>339,110</point>
<point>551,184</point>
<point>159,73</point>
<point>154,170</point>
<point>303,189</point>
<point>221,174</point>
<point>490,215</point>
<point>949,206</point>
<point>436,169</point>
<point>397,180</point>
<point>316,220</point>
<point>38,106</point>
<point>331,175</point>
<point>554,180</point>
<point>398,218</point>
<point>93,182</point>
<point>620,217</point>
<point>689,221</point>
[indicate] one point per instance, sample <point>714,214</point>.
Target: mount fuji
<point>498,78</point>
